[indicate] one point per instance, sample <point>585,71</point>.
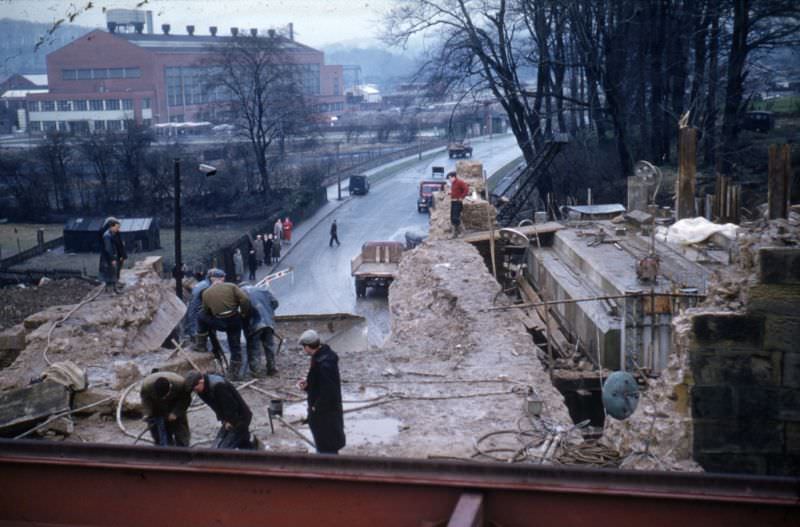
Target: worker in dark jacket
<point>112,255</point>
<point>225,306</point>
<point>334,235</point>
<point>459,189</point>
<point>260,330</point>
<point>165,399</point>
<point>229,407</point>
<point>324,388</point>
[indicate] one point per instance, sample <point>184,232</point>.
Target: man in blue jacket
<point>260,330</point>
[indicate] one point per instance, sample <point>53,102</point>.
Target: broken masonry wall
<point>746,365</point>
<point>115,338</point>
<point>442,326</point>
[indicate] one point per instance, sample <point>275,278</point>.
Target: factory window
<point>99,126</point>
<point>115,125</point>
<point>96,105</point>
<point>147,122</point>
<point>79,127</point>
<point>146,103</point>
<point>33,106</point>
<point>69,75</point>
<point>49,126</point>
<point>48,106</point>
<point>133,73</point>
<point>63,126</point>
<point>35,126</point>
<point>99,73</point>
<point>64,106</point>
<point>127,104</point>
<point>84,74</point>
<point>112,104</point>
<point>116,73</point>
<point>79,105</point>
<point>306,76</point>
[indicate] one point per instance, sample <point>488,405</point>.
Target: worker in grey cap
<point>193,314</point>
<point>324,388</point>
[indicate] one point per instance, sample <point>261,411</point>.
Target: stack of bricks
<point>477,215</point>
<point>746,368</point>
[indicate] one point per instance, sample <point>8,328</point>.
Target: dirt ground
<point>17,302</point>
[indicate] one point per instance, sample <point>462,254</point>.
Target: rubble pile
<point>116,339</point>
<point>443,327</point>
<point>658,436</point>
<point>730,285</point>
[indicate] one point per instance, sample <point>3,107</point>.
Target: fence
<point>18,258</point>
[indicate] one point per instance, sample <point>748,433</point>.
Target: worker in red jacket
<point>459,189</point>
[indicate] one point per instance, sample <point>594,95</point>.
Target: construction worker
<point>229,407</point>
<point>225,306</point>
<point>260,330</point>
<point>193,312</point>
<point>112,255</point>
<point>459,189</point>
<point>324,388</point>
<point>165,399</point>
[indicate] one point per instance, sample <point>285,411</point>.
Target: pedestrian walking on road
<point>287,229</point>
<point>324,388</point>
<point>165,399</point>
<point>238,265</point>
<point>252,263</point>
<point>334,235</point>
<point>229,407</point>
<point>459,189</point>
<point>277,230</point>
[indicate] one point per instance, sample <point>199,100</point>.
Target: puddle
<point>370,431</point>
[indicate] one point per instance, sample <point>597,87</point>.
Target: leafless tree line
<point>623,70</point>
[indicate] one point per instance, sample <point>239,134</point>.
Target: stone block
<point>771,299</point>
<point>732,463</point>
<point>782,333</point>
<point>756,402</point>
<point>13,338</point>
<point>791,370</point>
<point>712,402</point>
<point>779,265</point>
<point>788,404</point>
<point>735,368</point>
<point>738,330</point>
<point>738,435</point>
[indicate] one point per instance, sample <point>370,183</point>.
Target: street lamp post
<point>178,262</point>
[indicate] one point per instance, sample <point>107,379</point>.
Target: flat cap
<point>215,273</point>
<point>192,378</point>
<point>309,338</point>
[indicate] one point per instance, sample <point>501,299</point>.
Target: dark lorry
<point>359,184</point>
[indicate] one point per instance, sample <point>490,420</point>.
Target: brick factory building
<point>104,79</point>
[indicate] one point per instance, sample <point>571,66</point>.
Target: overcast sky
<point>316,22</point>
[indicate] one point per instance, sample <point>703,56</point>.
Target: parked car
<point>359,185</point>
<point>426,189</point>
<point>759,121</point>
<point>459,150</point>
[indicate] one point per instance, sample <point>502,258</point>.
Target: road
<point>321,282</point>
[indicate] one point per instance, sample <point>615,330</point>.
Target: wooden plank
<point>778,181</point>
<point>22,408</point>
<point>468,511</point>
<point>557,339</point>
<point>687,153</point>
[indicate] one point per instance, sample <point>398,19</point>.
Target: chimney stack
<point>112,27</point>
<point>291,31</point>
<point>234,31</point>
<point>213,31</point>
<point>165,28</point>
<point>271,33</point>
<point>138,27</point>
<point>253,32</point>
<point>190,30</point>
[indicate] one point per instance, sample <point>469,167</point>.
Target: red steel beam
<point>122,486</point>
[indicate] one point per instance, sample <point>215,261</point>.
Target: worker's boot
<point>235,371</point>
<point>256,370</point>
<point>456,231</point>
<point>201,342</point>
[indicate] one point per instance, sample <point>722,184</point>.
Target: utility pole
<point>178,262</point>
<point>338,175</point>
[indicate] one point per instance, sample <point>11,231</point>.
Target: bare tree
<point>256,80</point>
<point>55,155</point>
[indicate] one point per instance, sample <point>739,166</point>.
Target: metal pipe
<point>591,299</point>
